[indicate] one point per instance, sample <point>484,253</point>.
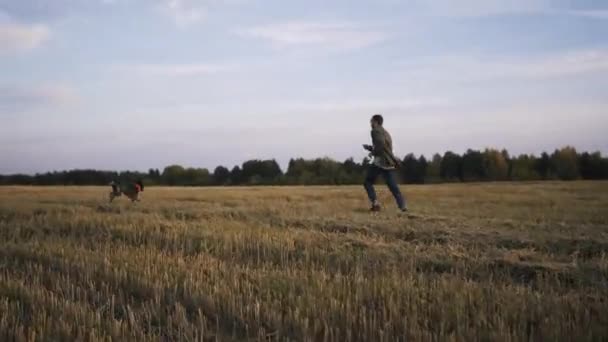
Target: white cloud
<point>369,104</point>
<point>177,70</point>
<point>474,68</point>
<point>479,8</point>
<point>342,35</point>
<point>483,8</point>
<point>16,37</point>
<point>596,14</point>
<point>185,12</point>
<point>572,63</point>
<point>18,97</point>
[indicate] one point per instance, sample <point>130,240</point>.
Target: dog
<point>131,190</point>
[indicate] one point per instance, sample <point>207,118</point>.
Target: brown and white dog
<point>131,190</point>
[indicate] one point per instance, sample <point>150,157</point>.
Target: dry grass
<point>473,262</point>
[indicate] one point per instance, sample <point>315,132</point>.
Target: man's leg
<point>372,174</point>
<point>389,177</point>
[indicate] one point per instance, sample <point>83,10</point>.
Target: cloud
<point>484,8</point>
<point>17,98</point>
<point>595,14</point>
<point>189,12</point>
<point>475,68</point>
<point>185,12</point>
<point>176,70</point>
<point>16,37</point>
<point>571,63</point>
<point>479,8</point>
<point>37,10</point>
<point>343,35</point>
<point>363,104</point>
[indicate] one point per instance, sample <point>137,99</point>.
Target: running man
<point>384,163</point>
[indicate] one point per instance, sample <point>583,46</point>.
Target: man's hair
<point>378,119</point>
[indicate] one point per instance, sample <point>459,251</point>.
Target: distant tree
<point>413,170</point>
<point>509,161</point>
<point>590,165</point>
<point>604,168</point>
<point>350,166</point>
<point>321,171</point>
<point>423,166</point>
<point>328,171</point>
<point>173,175</point>
<point>354,172</point>
<point>495,165</point>
<point>18,179</point>
<point>196,177</point>
<point>296,170</point>
<point>221,176</point>
<point>451,167</point>
<point>409,166</point>
<point>490,165</point>
<point>153,177</point>
<point>473,166</point>
<point>236,176</point>
<point>522,168</point>
<point>366,162</point>
<point>261,172</point>
<point>542,166</point>
<point>565,163</point>
<point>433,173</point>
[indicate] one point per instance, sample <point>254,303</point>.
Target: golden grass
<point>472,262</point>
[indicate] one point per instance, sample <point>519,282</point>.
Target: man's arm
<point>378,141</point>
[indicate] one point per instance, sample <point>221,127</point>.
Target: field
<point>493,262</point>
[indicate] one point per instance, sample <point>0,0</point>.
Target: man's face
<point>373,123</point>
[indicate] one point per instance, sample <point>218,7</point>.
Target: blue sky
<point>134,84</point>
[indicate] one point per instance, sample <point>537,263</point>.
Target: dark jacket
<point>382,151</point>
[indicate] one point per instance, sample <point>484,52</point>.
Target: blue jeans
<point>372,174</point>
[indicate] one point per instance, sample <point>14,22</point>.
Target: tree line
<point>472,166</point>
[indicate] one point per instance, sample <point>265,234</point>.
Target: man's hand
<point>368,147</point>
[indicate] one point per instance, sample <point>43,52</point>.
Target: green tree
<point>565,163</point>
<point>423,166</point>
<point>413,170</point>
<point>221,176</point>
<point>353,171</point>
<point>451,167</point>
<point>261,172</point>
<point>173,175</point>
<point>591,165</point>
<point>236,176</point>
<point>196,177</point>
<point>495,165</point>
<point>542,166</point>
<point>473,166</point>
<point>522,168</point>
<point>433,173</point>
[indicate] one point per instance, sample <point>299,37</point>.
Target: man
<point>384,163</point>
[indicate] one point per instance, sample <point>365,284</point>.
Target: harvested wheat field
<point>494,262</point>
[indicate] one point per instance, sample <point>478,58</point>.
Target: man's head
<point>377,120</point>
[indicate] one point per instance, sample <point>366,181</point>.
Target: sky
<point>138,84</point>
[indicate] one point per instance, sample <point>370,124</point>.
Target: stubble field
<point>494,262</point>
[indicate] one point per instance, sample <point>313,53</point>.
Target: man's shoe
<point>375,208</point>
